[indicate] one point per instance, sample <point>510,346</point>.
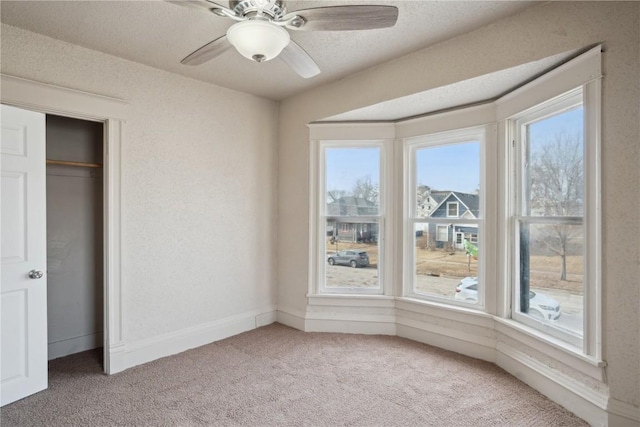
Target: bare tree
<point>335,195</point>
<point>366,189</point>
<point>556,185</point>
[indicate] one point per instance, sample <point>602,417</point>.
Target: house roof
<point>471,202</point>
<point>352,206</point>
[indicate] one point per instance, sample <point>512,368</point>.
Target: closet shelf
<point>76,164</point>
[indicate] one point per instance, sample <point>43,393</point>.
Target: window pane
<point>351,254</point>
<point>452,209</point>
<point>447,186</point>
<point>352,181</point>
<point>554,178</point>
<point>448,181</point>
<point>446,268</point>
<point>552,275</point>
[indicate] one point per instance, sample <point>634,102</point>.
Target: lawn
<point>545,270</point>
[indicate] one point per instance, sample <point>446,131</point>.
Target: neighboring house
<point>427,200</point>
<point>457,205</point>
<point>352,231</point>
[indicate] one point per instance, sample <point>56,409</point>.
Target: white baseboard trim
<point>351,326</point>
<point>291,318</point>
<point>74,345</point>
<point>477,350</point>
<point>623,413</point>
<point>146,350</point>
<point>589,404</point>
<point>562,389</point>
<point>267,318</point>
<point>321,321</point>
<point>117,359</point>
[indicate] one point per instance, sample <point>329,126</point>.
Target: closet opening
<point>75,236</point>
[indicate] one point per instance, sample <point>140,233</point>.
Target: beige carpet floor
<point>277,376</point>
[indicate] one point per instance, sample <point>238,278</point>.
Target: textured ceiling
<point>160,34</point>
<point>473,91</point>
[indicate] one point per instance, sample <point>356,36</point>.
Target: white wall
<point>198,187</point>
<point>539,32</point>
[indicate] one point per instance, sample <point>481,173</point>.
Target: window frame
<point>319,284</point>
<point>587,95</point>
<point>457,205</point>
<point>477,133</point>
<point>439,227</point>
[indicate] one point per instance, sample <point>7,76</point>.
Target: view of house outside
<point>552,253</point>
<point>352,227</point>
<point>445,220</point>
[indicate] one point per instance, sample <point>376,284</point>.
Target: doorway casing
<point>61,101</point>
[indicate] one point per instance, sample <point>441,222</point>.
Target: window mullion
<point>575,220</point>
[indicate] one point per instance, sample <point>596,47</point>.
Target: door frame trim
<point>62,101</point>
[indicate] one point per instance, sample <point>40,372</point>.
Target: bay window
<point>493,208</point>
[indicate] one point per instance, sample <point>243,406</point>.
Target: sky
<point>448,167</point>
<point>451,167</point>
<point>454,167</point>
<point>346,165</point>
<point>569,122</point>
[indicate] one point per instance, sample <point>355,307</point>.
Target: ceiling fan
<point>260,32</point>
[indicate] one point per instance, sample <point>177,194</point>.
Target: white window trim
<point>439,227</point>
<point>350,136</point>
<point>457,205</point>
<point>410,217</point>
<point>517,124</point>
<point>583,72</point>
<point>379,219</point>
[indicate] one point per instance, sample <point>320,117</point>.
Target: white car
<point>541,307</point>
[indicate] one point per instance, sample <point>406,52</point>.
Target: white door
<point>23,290</point>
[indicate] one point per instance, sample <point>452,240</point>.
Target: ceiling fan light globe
<point>258,39</point>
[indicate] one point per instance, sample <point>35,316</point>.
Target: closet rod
<point>77,164</point>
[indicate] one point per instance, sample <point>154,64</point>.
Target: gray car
<point>352,258</point>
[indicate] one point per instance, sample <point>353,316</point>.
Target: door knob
<point>35,274</point>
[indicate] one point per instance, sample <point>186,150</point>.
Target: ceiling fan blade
<point>299,60</point>
<point>207,6</point>
<point>207,52</point>
<point>345,18</point>
<point>197,4</point>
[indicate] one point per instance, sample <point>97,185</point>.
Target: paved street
<point>342,276</point>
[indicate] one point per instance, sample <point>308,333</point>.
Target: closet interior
<point>75,255</point>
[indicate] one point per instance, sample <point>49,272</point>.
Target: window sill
<point>552,347</point>
<point>446,311</point>
<point>444,306</point>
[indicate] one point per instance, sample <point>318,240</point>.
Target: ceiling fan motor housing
<point>248,8</point>
<point>257,39</point>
